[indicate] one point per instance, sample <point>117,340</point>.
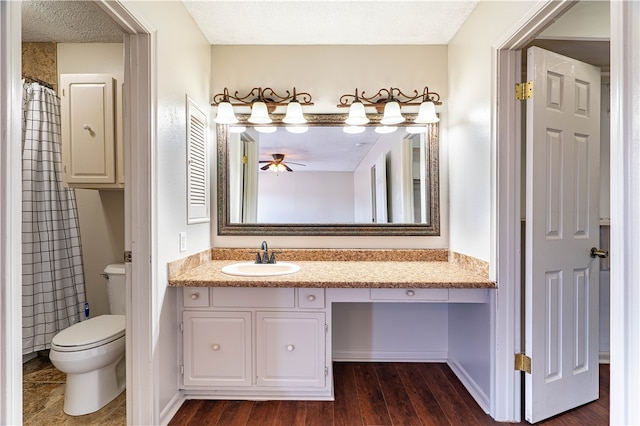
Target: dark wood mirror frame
<point>225,227</point>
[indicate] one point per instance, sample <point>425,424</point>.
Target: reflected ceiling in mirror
<point>327,182</point>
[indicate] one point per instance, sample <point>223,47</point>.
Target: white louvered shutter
<point>197,165</point>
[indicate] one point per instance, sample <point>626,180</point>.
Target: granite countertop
<point>341,274</point>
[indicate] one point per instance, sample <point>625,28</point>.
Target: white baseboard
<point>605,358</point>
<point>172,408</point>
<point>388,356</point>
<point>470,384</point>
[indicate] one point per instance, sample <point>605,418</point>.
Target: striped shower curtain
<point>52,277</point>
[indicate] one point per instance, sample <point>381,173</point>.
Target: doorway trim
<point>625,209</point>
<point>10,214</point>
<point>625,212</point>
<point>140,226</point>
<point>506,178</point>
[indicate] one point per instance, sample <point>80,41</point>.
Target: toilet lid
<point>90,333</point>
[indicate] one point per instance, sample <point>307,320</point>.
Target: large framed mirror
<point>279,180</point>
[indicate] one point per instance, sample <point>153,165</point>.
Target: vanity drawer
<point>311,298</point>
<point>195,297</point>
<point>253,297</point>
<point>409,294</point>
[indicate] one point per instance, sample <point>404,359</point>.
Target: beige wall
<point>327,72</point>
<point>183,59</point>
<point>471,82</point>
<point>101,213</point>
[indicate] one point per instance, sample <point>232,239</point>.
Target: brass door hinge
<point>524,90</point>
<point>245,159</point>
<point>522,363</point>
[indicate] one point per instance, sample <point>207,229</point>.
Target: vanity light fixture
<point>262,102</point>
<point>390,101</point>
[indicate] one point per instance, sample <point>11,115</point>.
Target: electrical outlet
<point>183,241</point>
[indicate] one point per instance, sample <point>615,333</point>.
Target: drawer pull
<point>311,298</point>
<point>195,296</point>
<point>290,348</point>
<point>215,347</point>
<point>411,293</point>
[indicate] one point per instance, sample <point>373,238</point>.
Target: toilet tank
<point>116,288</point>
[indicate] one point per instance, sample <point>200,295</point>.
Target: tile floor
<point>43,399</point>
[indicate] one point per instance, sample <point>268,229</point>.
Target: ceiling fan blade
<point>297,164</point>
<point>265,161</point>
<point>289,169</point>
<point>265,167</point>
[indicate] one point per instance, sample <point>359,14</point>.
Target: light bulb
<point>259,113</point>
<point>427,113</point>
<point>392,114</point>
<point>225,114</point>
<point>357,114</point>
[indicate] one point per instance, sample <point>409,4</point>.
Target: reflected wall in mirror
<point>325,181</point>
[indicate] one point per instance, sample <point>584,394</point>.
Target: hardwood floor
<point>380,394</point>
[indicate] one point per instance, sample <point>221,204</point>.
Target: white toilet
<point>91,352</point>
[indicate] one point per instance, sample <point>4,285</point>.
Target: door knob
<point>601,253</point>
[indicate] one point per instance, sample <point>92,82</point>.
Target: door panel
<point>562,202</point>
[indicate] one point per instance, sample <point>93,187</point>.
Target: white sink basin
<point>251,269</point>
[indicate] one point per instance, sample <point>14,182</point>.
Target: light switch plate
<point>183,241</point>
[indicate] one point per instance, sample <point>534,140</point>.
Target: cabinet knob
<point>290,347</point>
<point>86,127</point>
<point>311,298</point>
<point>194,296</point>
<point>215,347</point>
<point>411,293</point>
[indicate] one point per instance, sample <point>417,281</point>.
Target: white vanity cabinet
<point>265,343</point>
<point>219,348</point>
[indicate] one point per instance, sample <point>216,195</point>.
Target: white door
<point>562,219</point>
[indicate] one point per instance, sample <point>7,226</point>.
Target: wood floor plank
<point>399,406</point>
<point>319,413</point>
<point>346,407</point>
<point>469,403</point>
<point>422,399</point>
<point>235,413</point>
<point>183,417</point>
<point>292,413</point>
<point>446,396</point>
<point>264,413</point>
<point>373,408</point>
<point>208,414</point>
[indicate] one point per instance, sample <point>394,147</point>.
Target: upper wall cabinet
<point>91,118</point>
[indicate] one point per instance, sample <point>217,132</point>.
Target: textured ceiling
<point>322,22</point>
<point>67,22</point>
<point>269,22</point>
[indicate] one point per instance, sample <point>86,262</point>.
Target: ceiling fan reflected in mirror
<point>277,164</point>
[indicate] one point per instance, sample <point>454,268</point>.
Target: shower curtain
<point>53,293</point>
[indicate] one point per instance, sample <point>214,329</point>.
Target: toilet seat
<point>89,334</point>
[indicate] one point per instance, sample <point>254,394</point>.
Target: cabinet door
<point>217,348</point>
<point>88,128</point>
<point>290,349</point>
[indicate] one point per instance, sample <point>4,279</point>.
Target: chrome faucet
<point>265,257</point>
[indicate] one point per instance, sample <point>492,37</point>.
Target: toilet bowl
<point>91,353</point>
